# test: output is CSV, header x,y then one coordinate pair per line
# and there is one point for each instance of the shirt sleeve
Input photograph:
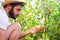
x,y
3,21
3,24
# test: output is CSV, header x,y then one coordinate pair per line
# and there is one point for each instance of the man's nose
x,y
18,13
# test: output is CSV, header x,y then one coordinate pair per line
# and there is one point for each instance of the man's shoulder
x,y
3,15
4,20
1,11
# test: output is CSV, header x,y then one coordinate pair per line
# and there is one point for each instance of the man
x,y
11,8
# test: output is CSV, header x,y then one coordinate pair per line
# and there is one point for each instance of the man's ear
x,y
9,7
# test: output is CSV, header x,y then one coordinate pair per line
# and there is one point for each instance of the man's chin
x,y
14,18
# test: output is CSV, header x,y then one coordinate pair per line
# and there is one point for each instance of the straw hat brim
x,y
9,2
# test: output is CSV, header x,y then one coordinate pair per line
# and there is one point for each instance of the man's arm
x,y
23,34
2,34
31,31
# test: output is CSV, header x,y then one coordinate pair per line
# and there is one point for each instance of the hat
x,y
13,1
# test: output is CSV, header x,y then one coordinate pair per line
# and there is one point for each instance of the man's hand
x,y
35,30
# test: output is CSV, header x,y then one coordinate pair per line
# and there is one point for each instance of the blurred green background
x,y
38,13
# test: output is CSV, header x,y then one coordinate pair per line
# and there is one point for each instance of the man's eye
x,y
18,9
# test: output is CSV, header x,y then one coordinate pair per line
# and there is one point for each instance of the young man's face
x,y
15,11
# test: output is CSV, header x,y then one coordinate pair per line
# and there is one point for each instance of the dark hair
x,y
15,4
